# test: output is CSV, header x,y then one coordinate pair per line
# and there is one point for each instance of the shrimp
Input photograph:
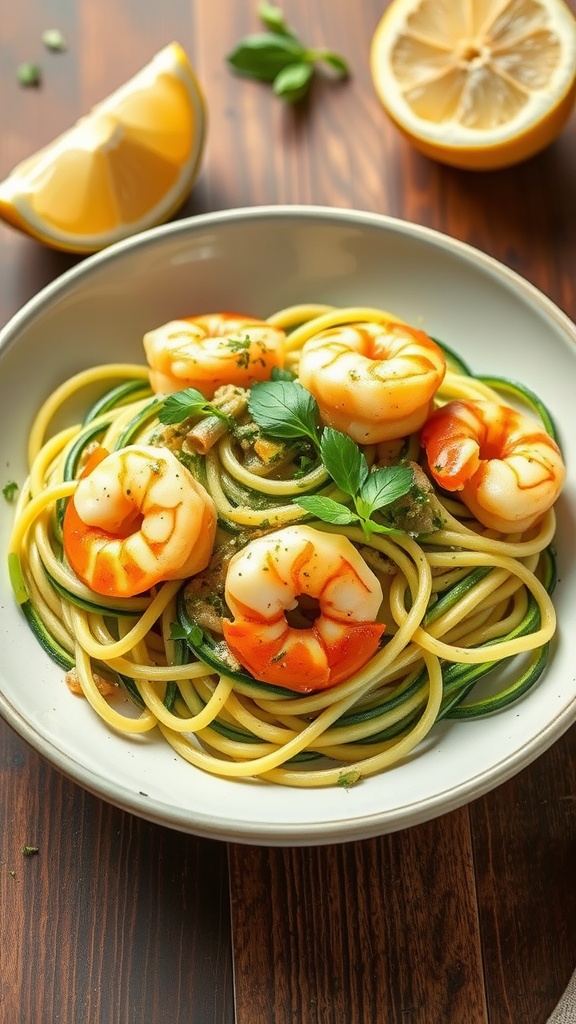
x,y
507,468
372,381
137,517
266,579
205,352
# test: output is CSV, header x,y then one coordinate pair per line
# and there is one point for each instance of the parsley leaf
x,y
284,409
385,485
183,404
370,491
344,461
327,510
242,346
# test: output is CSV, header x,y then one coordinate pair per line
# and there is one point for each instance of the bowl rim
x,y
150,236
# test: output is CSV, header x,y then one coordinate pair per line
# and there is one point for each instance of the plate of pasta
x,y
287,524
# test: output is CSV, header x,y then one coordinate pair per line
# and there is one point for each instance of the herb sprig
x,y
277,56
286,410
184,404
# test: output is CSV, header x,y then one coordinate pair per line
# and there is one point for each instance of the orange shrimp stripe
x,y
300,660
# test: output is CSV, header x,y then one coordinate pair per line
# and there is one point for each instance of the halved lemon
x,y
479,85
126,166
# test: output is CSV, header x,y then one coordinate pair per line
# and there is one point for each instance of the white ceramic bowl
x,y
259,260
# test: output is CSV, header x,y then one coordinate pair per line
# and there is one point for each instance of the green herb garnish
x,y
278,57
184,404
9,490
349,778
53,39
344,461
29,74
285,409
370,491
273,18
240,346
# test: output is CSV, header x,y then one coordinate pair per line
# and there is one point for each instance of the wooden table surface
x,y
468,919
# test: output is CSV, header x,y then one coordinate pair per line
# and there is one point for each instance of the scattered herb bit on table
x,y
29,74
53,39
277,56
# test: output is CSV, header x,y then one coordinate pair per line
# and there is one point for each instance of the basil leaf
x,y
273,18
284,409
326,509
385,485
292,83
334,60
264,55
343,460
183,404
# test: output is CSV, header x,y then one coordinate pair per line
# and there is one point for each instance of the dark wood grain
x,y
368,931
524,847
469,919
113,919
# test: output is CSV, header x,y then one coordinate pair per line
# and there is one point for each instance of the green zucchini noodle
x,y
461,602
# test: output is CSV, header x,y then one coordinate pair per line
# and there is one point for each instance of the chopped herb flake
x,y
9,490
29,75
53,39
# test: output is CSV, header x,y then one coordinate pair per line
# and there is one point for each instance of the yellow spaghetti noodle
x,y
459,599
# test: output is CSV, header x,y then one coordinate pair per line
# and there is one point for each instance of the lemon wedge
x,y
126,166
478,85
